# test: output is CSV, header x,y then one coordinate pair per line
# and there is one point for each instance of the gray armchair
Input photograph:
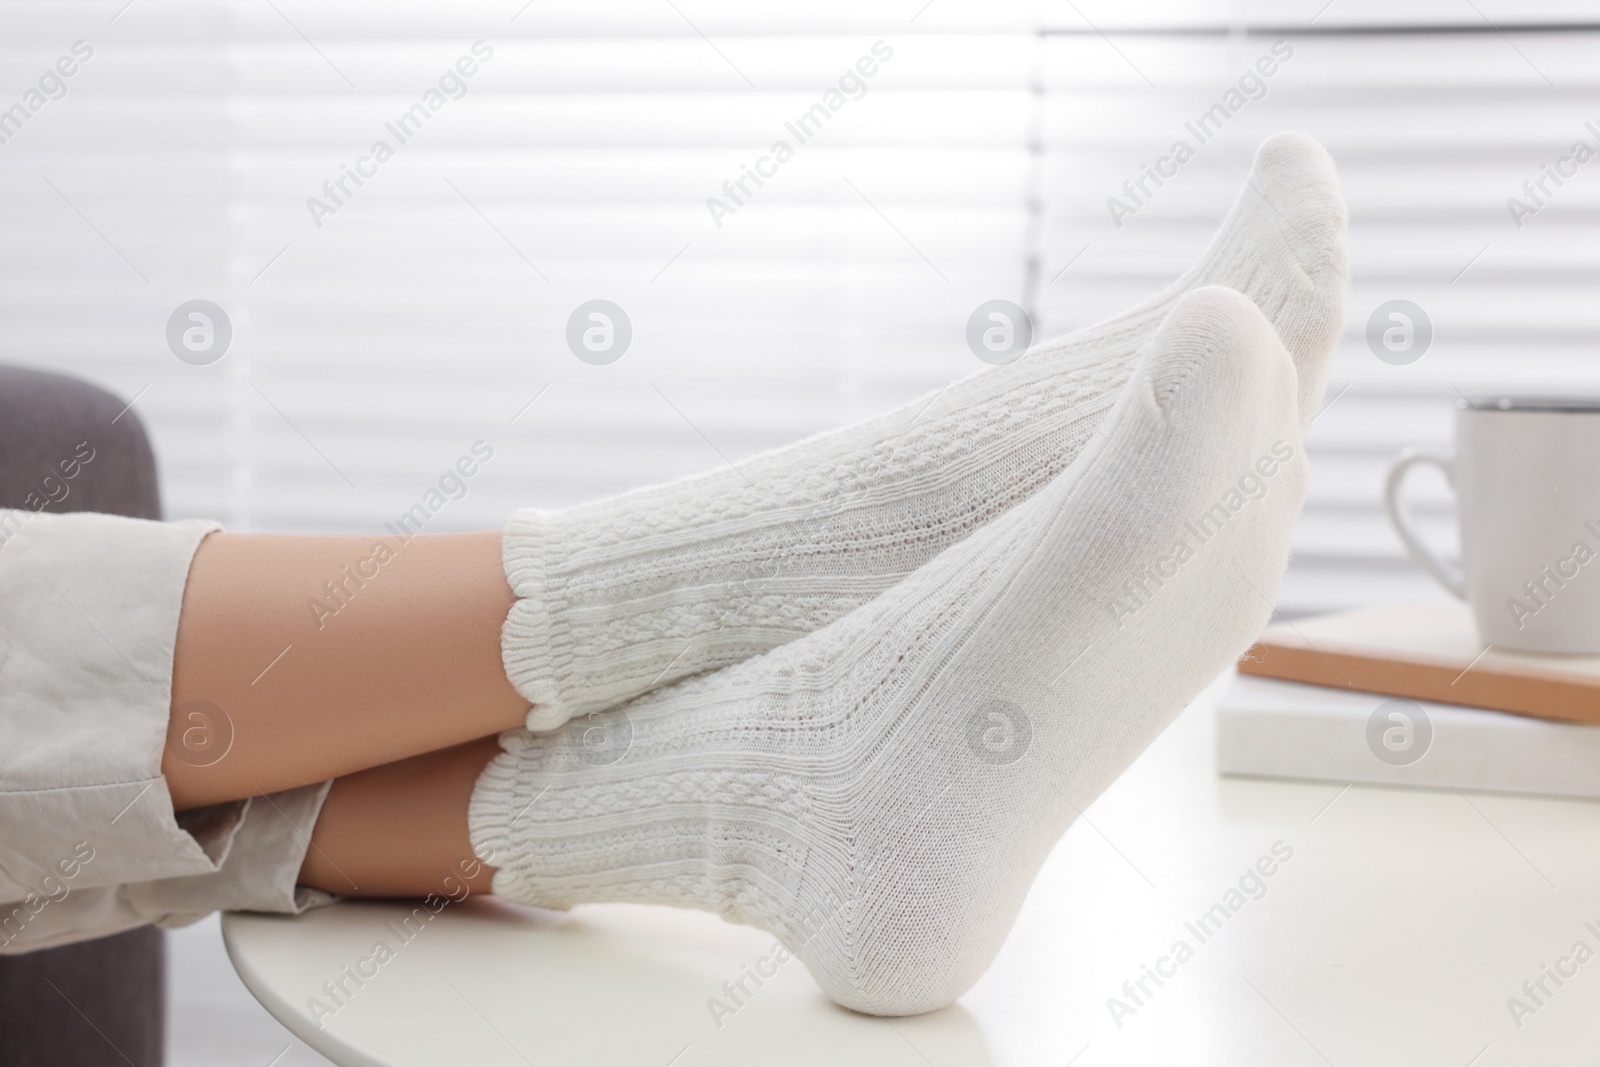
x,y
100,1003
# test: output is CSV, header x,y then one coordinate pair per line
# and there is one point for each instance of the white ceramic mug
x,y
1526,474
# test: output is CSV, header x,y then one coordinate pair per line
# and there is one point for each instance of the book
x,y
1275,729
1427,652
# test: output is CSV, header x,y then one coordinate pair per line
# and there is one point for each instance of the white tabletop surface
x,y
1395,934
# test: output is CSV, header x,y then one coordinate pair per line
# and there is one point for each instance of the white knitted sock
x,y
642,589
880,793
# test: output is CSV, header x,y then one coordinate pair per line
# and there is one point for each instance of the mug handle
x,y
1445,572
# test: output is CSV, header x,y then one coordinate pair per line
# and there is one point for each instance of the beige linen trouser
x,y
89,841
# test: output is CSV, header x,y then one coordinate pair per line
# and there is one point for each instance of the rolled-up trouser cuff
x,y
89,840
261,844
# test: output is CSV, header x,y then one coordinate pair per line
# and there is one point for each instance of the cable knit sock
x,y
880,794
654,585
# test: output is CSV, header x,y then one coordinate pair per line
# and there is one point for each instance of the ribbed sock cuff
x,y
536,651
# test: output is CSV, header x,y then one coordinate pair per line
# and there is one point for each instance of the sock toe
x,y
1221,332
1297,177
1284,246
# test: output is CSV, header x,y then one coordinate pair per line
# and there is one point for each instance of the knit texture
x,y
880,793
654,585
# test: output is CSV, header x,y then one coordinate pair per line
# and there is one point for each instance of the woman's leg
x,y
328,656
401,830
300,659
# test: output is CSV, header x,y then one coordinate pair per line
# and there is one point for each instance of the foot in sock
x,y
881,793
643,589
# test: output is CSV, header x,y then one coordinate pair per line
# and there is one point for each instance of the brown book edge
x,y
1289,659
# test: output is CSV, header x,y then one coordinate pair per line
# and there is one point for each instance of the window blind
x,y
383,328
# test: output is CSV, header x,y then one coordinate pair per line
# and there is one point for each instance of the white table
x,y
1394,935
